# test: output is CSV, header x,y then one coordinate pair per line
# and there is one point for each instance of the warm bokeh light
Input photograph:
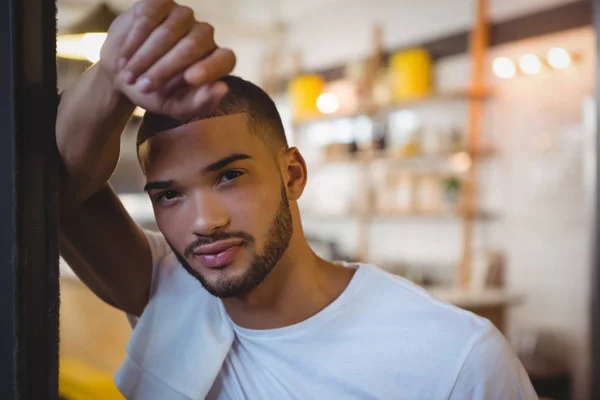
x,y
328,103
559,58
504,68
530,64
461,162
139,112
80,47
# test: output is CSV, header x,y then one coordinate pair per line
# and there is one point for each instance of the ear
x,y
294,172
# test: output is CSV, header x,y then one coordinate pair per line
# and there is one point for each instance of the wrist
x,y
105,82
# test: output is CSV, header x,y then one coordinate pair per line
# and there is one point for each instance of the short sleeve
x,y
160,249
492,371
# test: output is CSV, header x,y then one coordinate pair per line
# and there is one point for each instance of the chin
x,y
226,273
226,283
235,279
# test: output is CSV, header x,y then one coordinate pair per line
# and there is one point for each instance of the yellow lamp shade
x,y
304,91
411,73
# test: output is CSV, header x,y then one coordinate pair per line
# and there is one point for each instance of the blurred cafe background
x,y
449,141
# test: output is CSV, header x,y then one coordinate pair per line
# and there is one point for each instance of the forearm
x,y
91,118
107,250
98,239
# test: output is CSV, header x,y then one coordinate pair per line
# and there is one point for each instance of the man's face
x,y
220,201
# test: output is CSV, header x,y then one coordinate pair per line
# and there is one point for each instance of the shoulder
x,y
404,297
491,370
477,360
411,309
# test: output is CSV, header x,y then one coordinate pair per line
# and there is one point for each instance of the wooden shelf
x,y
456,95
478,215
391,158
374,109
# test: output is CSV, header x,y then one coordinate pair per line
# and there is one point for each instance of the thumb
x,y
209,102
198,101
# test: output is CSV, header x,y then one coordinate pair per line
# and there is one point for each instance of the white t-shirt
x,y
382,338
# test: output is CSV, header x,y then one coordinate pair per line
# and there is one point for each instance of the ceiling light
x,y
530,64
559,58
504,68
84,46
139,112
328,103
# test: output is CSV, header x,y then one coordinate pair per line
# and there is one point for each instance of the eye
x,y
166,196
229,176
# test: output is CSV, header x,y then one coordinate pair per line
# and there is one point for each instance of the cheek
x,y
253,207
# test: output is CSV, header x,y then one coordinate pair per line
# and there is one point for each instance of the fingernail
x,y
128,77
122,62
144,84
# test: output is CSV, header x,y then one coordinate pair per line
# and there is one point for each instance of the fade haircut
x,y
242,97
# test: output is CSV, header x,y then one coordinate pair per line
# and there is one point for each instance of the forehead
x,y
201,142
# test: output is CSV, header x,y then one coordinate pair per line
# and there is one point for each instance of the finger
x,y
197,102
162,39
148,14
216,94
170,87
196,45
221,62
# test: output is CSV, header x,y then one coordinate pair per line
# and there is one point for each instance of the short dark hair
x,y
243,97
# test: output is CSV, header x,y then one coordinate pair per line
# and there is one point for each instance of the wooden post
x,y
479,43
367,211
373,68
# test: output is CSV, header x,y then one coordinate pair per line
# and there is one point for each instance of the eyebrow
x,y
223,162
158,185
216,166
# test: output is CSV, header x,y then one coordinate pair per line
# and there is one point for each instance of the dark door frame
x,y
28,220
595,290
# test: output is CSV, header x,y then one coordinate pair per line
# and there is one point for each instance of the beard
x,y
278,239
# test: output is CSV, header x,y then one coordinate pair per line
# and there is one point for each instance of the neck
x,y
298,287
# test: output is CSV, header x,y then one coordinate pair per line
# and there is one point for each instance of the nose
x,y
210,213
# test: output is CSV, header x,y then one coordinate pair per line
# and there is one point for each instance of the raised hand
x,y
165,61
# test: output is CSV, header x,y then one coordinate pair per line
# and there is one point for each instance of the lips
x,y
218,254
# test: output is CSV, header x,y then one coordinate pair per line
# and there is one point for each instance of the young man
x,y
229,301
